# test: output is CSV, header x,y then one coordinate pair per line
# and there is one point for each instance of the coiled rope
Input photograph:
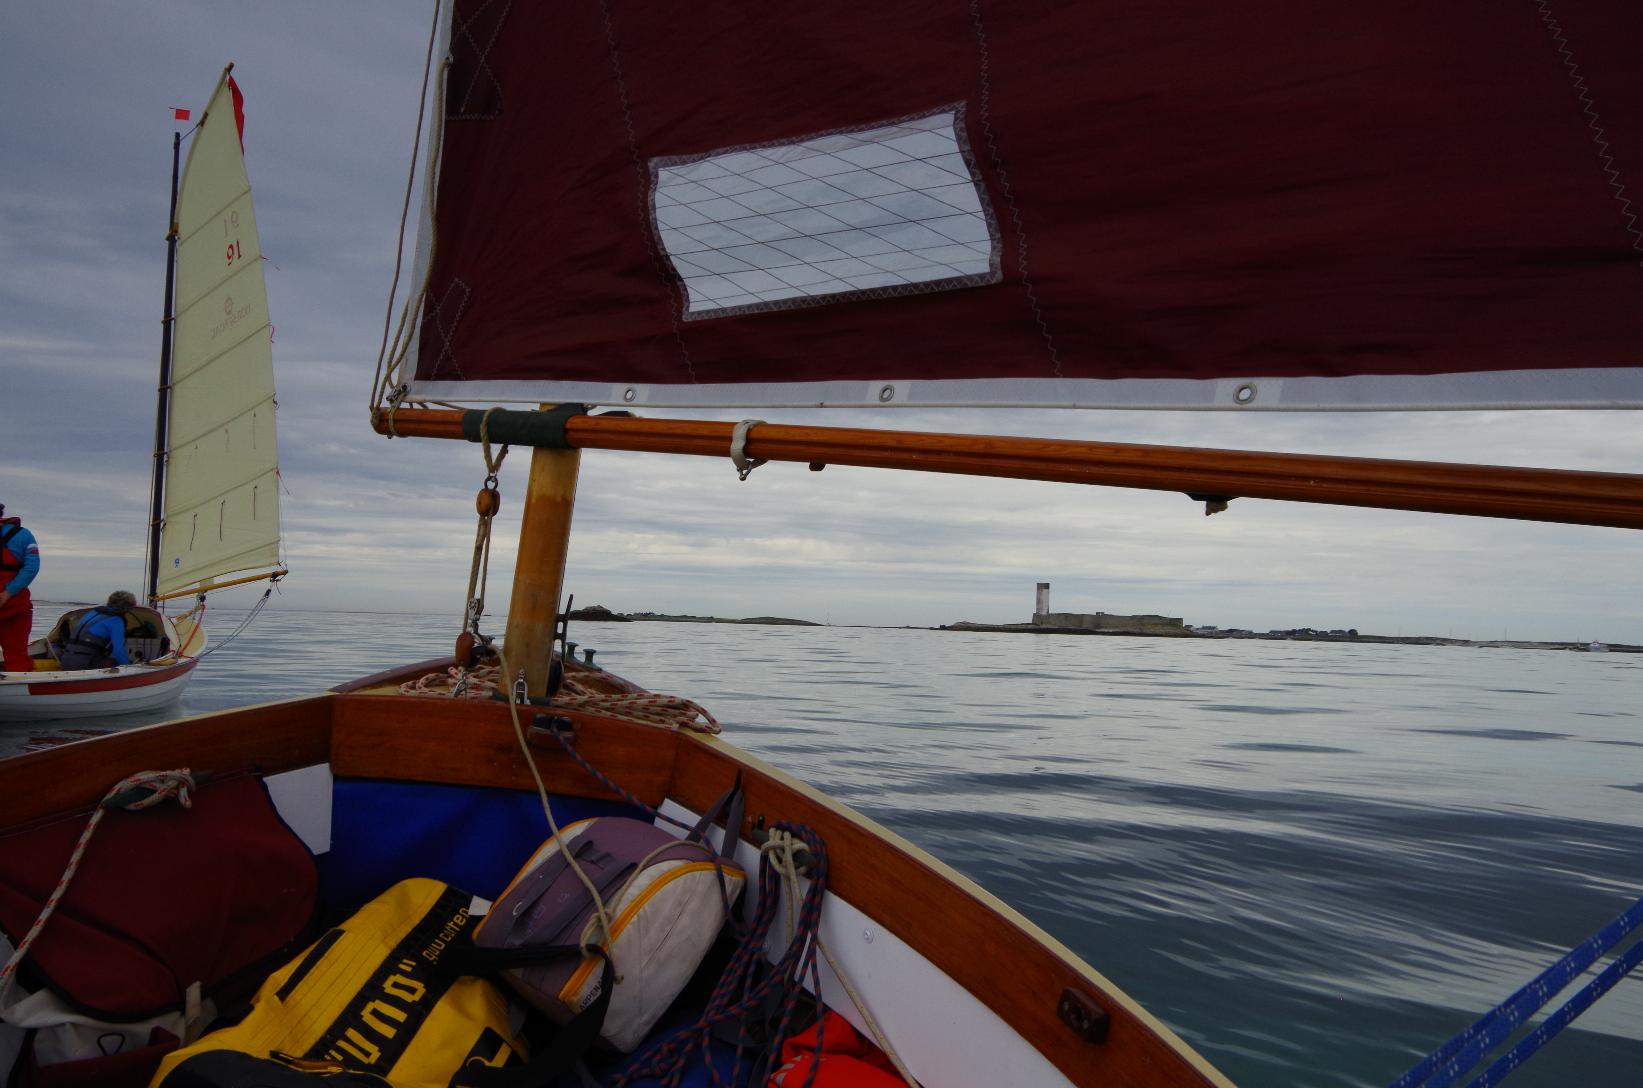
x,y
639,707
782,853
160,785
744,989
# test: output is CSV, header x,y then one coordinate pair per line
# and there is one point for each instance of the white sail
x,y
221,484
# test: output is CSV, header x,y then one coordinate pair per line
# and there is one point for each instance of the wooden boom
x,y
1526,494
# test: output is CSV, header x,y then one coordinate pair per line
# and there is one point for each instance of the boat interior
x,y
380,787
146,637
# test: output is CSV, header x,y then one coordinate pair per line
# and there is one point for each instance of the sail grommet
x,y
1245,394
629,395
887,394
738,449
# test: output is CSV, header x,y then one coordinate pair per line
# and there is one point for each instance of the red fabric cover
x,y
163,897
848,1059
1198,188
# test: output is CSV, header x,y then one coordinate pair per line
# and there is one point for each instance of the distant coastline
x,y
1298,635
600,614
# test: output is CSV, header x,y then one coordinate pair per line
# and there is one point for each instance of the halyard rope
x,y
479,573
599,910
161,784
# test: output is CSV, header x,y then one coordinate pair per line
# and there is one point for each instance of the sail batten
x,y
221,508
1120,205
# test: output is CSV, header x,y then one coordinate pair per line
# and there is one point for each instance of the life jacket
x,y
87,649
10,561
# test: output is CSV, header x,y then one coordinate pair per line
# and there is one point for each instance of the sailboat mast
x,y
167,325
539,575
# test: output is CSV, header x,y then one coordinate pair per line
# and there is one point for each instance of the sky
x,y
86,97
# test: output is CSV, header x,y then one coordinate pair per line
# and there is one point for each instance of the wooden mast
x,y
544,540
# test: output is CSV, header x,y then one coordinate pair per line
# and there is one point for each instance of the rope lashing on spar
x,y
738,449
129,794
1457,1057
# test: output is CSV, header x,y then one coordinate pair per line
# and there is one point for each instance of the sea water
x,y
1315,861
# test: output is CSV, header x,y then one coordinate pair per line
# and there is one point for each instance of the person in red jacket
x,y
19,563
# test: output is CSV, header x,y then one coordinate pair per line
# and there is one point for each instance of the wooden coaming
x,y
471,742
267,739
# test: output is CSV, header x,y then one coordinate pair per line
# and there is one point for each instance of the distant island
x,y
1297,634
598,613
1101,623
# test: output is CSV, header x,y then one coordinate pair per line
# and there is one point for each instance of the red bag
x,y
848,1059
172,911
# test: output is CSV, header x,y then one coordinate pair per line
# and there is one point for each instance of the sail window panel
x,y
735,224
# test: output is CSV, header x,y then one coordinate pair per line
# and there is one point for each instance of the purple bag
x,y
666,898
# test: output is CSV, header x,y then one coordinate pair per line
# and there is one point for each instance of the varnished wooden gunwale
x,y
267,739
985,946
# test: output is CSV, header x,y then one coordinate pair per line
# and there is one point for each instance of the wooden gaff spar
x,y
1524,494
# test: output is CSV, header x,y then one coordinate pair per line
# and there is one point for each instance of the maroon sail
x,y
1171,203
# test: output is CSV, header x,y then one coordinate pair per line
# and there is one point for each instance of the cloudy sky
x,y
87,90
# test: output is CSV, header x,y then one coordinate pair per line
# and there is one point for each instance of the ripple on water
x,y
1277,746
1497,734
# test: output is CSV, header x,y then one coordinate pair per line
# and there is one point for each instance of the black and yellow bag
x,y
387,997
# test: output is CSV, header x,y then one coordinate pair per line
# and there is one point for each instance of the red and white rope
x,y
161,784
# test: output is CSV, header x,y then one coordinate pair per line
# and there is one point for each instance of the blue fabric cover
x,y
472,837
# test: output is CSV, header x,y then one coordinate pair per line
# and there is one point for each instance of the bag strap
x,y
568,1044
731,802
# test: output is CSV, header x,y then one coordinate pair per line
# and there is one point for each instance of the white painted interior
x,y
944,1033
303,799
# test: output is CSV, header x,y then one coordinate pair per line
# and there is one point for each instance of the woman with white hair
x,y
97,639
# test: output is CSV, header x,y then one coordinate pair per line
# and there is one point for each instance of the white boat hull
x,y
126,689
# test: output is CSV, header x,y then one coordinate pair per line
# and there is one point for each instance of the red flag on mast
x,y
239,110
181,114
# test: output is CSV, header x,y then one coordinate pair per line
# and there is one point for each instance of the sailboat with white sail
x,y
215,519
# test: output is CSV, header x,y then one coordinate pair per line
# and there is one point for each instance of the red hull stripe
x,y
113,683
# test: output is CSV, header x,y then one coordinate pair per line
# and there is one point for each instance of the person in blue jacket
x,y
98,639
19,563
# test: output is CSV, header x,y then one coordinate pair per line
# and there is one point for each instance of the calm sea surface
x,y
1315,861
